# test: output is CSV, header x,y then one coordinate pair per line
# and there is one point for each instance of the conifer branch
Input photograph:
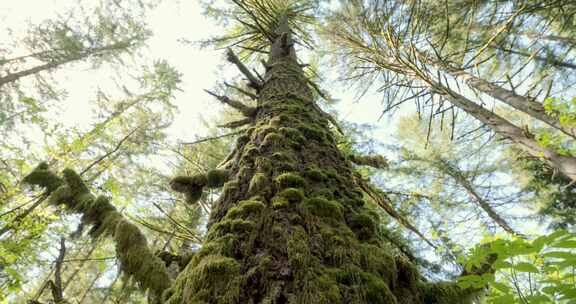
x,y
253,96
253,81
242,108
384,203
211,138
236,124
374,161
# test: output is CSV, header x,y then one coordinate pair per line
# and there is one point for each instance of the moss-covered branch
x,y
193,186
136,258
374,161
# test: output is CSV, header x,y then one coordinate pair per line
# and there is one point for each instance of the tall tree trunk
x,y
291,225
521,103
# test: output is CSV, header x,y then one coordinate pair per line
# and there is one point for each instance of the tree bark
x,y
291,225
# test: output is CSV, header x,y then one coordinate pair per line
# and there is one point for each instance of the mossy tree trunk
x,y
291,226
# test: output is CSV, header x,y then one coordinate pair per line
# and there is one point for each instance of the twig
x,y
235,124
116,148
242,108
253,96
56,286
205,139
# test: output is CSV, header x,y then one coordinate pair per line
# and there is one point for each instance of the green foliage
x,y
565,111
546,262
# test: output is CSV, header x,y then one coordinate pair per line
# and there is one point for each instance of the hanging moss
x,y
216,178
42,177
191,186
374,161
286,180
292,195
375,290
363,225
135,257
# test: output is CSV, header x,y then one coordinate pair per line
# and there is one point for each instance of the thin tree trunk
x,y
54,64
457,175
79,267
89,288
504,128
521,103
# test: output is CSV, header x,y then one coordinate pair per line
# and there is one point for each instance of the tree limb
x,y
253,81
242,108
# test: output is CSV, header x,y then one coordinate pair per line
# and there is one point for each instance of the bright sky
x,y
201,68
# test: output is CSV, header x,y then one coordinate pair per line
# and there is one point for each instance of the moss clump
x,y
224,245
322,207
280,203
374,290
325,193
245,209
61,196
353,202
216,279
312,132
272,139
216,178
259,184
41,176
315,175
287,180
262,164
293,135
379,261
292,195
363,225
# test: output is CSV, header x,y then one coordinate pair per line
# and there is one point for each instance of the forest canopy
x,y
288,151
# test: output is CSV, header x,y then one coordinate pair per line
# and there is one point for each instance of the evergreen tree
x,y
292,224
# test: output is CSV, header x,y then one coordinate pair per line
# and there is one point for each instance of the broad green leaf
x,y
526,267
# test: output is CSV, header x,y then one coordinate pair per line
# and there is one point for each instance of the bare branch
x,y
242,108
253,81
